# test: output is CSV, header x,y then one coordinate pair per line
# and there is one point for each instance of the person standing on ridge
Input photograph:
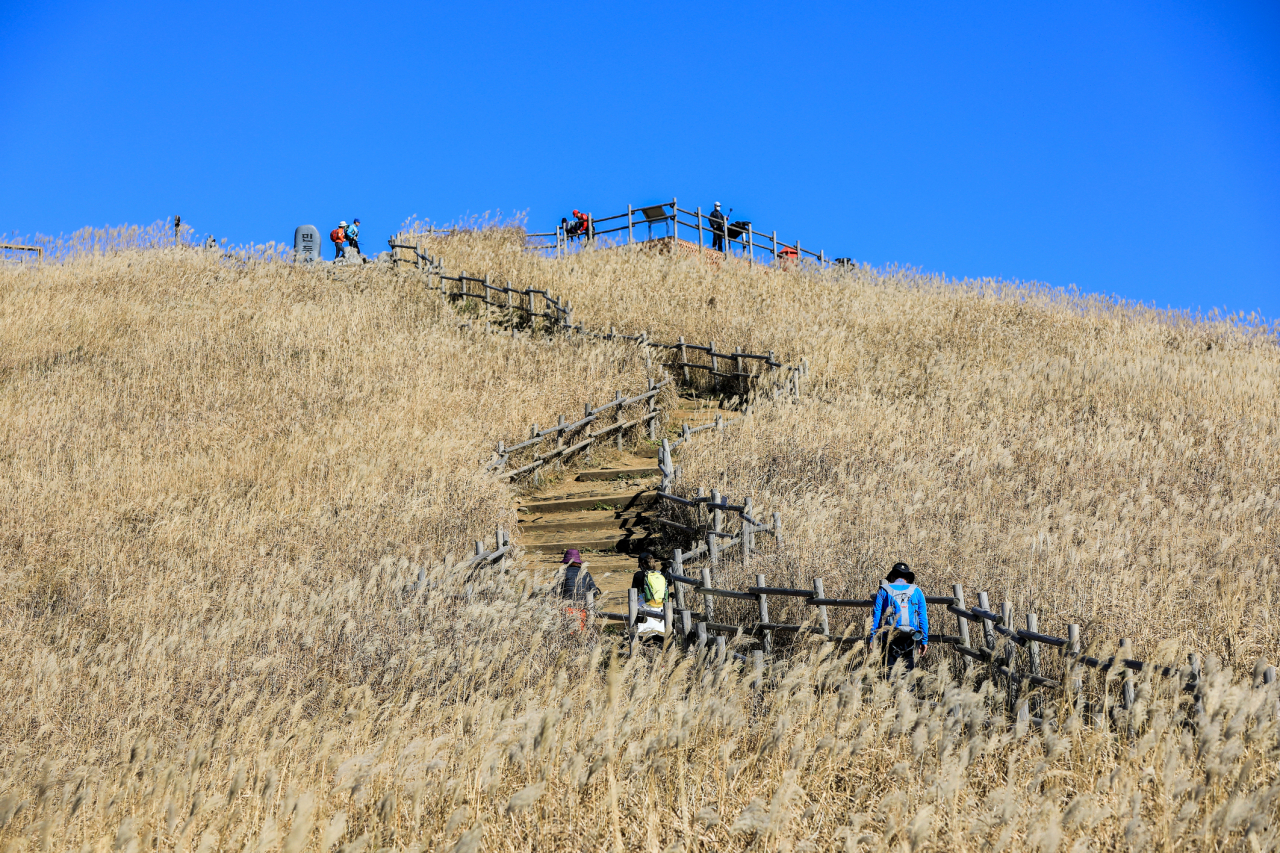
x,y
717,228
353,235
339,236
901,618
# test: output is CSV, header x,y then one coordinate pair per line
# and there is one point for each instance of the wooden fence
x,y
570,438
737,238
734,374
13,247
721,531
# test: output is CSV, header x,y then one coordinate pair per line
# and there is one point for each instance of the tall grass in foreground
x,y
489,724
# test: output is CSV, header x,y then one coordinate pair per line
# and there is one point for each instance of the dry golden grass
x,y
219,482
1102,464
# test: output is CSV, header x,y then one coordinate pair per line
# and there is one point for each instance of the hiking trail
x,y
603,511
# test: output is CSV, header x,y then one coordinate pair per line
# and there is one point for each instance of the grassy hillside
x,y
218,478
1102,464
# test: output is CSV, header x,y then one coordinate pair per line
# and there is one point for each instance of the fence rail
x,y
750,373
1012,654
13,247
730,238
713,537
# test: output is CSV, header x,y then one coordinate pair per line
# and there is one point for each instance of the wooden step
x,y
625,541
617,474
586,520
618,501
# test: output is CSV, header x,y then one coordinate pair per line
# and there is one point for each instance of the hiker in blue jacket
x,y
353,235
900,617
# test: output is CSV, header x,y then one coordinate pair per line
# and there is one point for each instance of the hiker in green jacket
x,y
652,580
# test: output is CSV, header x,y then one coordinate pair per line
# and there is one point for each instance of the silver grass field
x,y
220,478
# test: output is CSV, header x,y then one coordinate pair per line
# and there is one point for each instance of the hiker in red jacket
x,y
339,237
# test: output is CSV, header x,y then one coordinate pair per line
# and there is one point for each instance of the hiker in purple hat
x,y
577,580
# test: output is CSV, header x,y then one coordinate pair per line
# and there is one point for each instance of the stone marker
x,y
306,243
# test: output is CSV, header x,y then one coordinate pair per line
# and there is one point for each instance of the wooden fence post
x,y
699,233
633,612
757,669
715,366
668,620
717,523
675,223
777,528
708,610
684,360
1033,648
677,568
1073,649
748,529
701,642
988,634
819,592
764,616
1010,656
653,408
738,381
630,236
751,246
962,624
617,397
1126,688
721,654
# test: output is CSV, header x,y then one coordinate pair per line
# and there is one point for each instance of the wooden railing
x,y
576,437
736,375
1013,655
742,239
720,530
12,247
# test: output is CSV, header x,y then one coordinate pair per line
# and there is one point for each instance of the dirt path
x,y
599,507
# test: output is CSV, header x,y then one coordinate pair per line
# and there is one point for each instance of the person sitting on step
x,y
577,580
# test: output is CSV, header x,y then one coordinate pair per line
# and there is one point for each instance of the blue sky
x,y
1126,148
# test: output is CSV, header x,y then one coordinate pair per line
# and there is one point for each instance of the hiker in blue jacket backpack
x,y
900,617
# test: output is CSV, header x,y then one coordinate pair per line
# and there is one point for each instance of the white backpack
x,y
902,603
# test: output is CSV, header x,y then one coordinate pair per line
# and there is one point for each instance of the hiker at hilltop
x,y
339,237
353,235
577,580
717,228
579,227
900,617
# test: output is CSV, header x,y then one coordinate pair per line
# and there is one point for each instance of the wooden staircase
x,y
601,511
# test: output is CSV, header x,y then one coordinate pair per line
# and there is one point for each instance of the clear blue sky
x,y
1128,148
